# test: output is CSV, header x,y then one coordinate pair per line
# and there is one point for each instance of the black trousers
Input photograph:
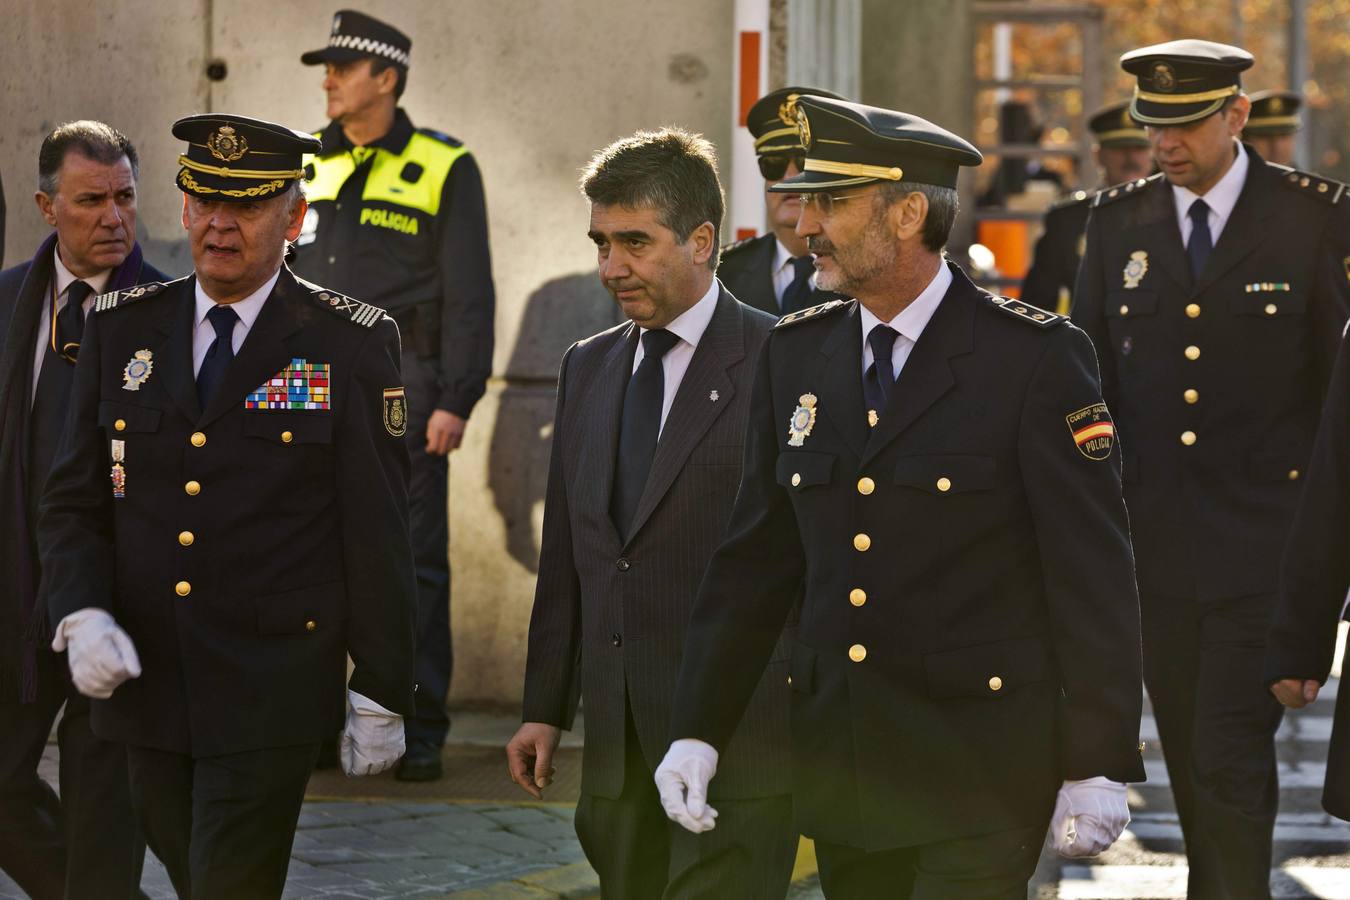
x,y
994,866
639,854
429,724
1203,666
82,845
223,825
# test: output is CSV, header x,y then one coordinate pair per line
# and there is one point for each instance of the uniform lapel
x,y
768,255
175,368
693,411
842,381
927,374
599,416
1245,229
1156,232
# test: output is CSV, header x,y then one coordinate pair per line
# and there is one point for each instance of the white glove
x,y
101,655
1089,816
373,738
682,780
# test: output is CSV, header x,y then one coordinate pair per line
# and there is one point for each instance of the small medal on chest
x,y
119,472
802,421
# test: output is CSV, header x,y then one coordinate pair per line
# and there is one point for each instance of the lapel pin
x,y
714,396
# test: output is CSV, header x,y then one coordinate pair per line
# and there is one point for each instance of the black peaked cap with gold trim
x,y
355,35
1184,81
237,158
1273,113
773,119
852,144
1113,126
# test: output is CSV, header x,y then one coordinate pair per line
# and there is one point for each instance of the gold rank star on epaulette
x,y
812,312
116,299
1328,189
1032,315
1128,189
358,312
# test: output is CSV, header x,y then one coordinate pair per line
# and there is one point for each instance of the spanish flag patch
x,y
1094,434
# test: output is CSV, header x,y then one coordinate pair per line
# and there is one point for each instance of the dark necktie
x,y
219,355
70,320
880,377
52,397
641,425
798,293
1200,244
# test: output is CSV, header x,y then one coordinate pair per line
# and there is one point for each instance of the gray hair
x,y
95,140
943,206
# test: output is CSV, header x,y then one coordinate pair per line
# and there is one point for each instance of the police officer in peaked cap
x,y
1273,125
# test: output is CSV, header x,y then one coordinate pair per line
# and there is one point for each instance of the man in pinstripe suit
x,y
645,464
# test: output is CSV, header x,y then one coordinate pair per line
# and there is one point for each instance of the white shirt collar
x,y
912,320
781,256
689,325
1223,196
65,278
247,309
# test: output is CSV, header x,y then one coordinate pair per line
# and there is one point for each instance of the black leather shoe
x,y
419,765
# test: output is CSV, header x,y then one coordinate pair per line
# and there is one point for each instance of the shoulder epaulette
x,y
738,245
811,312
441,136
1119,191
359,312
1032,315
1073,199
118,299
1319,186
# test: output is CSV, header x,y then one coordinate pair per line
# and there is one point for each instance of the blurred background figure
x,y
1273,125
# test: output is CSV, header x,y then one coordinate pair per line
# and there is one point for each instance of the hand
x,y
445,432
1089,816
529,756
373,739
682,780
100,654
1295,693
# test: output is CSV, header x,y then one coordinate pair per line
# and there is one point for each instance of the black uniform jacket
x,y
746,269
610,616
970,631
254,548
1216,383
1058,254
1315,576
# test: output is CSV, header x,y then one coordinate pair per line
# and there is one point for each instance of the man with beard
x,y
968,645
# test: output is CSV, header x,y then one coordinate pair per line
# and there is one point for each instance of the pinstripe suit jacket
x,y
610,616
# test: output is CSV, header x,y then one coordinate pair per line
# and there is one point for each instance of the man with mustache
x,y
1215,293
81,845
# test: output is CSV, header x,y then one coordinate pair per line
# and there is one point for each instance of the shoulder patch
x,y
1328,190
1121,191
1032,315
441,136
118,299
359,312
812,312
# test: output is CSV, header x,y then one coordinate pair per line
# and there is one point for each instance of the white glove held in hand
x,y
682,780
1089,816
373,738
100,654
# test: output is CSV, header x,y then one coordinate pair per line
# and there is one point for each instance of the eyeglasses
x,y
823,203
775,165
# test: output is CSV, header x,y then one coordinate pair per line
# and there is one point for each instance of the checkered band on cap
x,y
368,45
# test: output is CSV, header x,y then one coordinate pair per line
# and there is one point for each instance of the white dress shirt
x,y
688,326
910,322
783,272
1221,199
64,279
203,333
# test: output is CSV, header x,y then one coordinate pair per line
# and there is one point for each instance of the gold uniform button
x,y
1293,474
944,484
861,542
186,538
1124,309
866,485
857,653
120,425
1271,309
192,488
311,625
796,478
182,588
995,683
1193,310
198,439
1192,353
1188,437
857,596
1192,395
287,437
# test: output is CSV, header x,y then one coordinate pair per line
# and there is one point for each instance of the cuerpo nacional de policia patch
x,y
395,411
1094,434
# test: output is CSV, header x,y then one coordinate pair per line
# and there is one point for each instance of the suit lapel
x,y
599,416
842,381
264,352
693,411
1245,229
174,364
927,374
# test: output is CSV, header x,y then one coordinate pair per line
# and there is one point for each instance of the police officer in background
x,y
1273,125
397,219
774,271
1122,154
1215,294
227,521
